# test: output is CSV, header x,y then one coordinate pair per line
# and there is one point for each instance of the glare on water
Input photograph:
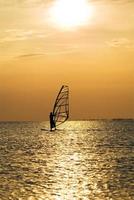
x,y
82,160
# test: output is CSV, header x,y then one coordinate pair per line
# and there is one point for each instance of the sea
x,y
81,160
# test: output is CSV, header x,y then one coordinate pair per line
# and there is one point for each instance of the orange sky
x,y
95,59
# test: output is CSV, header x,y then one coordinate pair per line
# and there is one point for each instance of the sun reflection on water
x,y
71,173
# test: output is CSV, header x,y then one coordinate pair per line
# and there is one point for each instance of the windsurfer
x,y
52,122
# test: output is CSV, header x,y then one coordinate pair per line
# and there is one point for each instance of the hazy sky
x,y
38,55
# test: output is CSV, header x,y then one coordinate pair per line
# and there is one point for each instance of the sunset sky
x,y
87,45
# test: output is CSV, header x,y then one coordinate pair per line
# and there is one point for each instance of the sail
x,y
61,106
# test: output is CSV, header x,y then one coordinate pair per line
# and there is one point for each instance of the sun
x,y
69,14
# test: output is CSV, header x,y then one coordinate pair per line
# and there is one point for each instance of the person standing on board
x,y
52,122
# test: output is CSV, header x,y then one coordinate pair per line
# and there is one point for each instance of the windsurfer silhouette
x,y
52,122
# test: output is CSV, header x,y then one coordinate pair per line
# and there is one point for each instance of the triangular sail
x,y
61,106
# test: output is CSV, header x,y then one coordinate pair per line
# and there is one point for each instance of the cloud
x,y
13,35
113,1
34,3
62,52
47,52
29,55
23,3
121,42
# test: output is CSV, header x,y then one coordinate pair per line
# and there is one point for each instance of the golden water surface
x,y
83,160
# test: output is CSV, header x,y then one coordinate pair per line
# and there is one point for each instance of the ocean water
x,y
83,160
